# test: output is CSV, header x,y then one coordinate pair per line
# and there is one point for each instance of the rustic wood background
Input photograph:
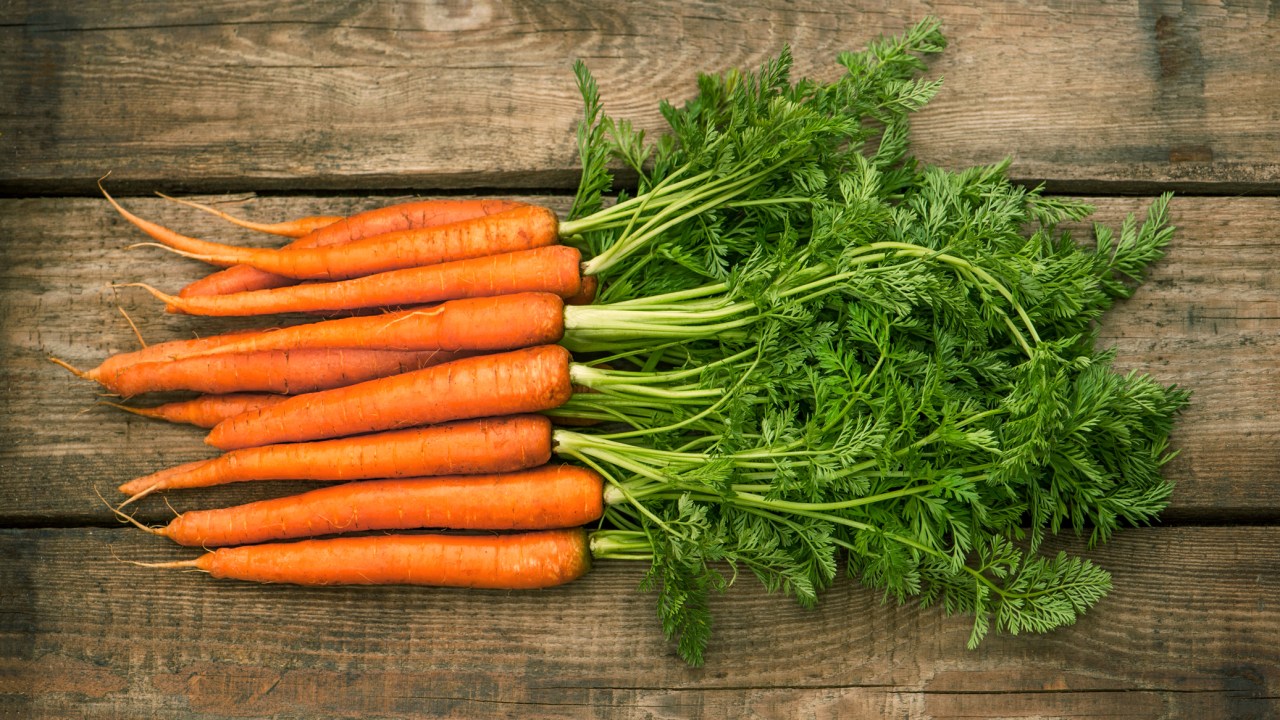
x,y
335,107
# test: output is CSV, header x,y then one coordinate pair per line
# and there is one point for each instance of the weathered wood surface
x,y
1189,632
361,97
218,96
1208,320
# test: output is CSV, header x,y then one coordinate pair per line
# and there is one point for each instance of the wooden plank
x,y
259,95
1208,320
1189,631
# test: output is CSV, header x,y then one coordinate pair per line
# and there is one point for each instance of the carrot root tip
x,y
138,495
123,516
166,565
71,368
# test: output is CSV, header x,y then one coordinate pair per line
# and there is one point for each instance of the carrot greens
x,y
919,391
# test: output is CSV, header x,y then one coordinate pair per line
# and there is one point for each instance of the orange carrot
x,y
287,372
204,411
407,216
520,381
519,228
468,447
521,561
158,352
289,228
586,291
403,216
553,269
502,322
544,498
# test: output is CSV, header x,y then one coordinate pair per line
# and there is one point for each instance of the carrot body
x,y
469,447
408,216
235,279
522,561
402,216
204,411
544,498
287,372
520,381
161,352
504,322
519,228
586,291
554,269
295,228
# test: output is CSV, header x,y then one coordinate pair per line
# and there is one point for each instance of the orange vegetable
x,y
544,498
288,372
522,561
204,411
502,322
289,228
154,353
586,291
520,228
402,216
553,269
468,447
520,381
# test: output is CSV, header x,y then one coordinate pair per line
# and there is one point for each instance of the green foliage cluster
x,y
834,357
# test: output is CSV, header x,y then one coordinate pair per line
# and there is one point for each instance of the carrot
x,y
520,381
289,228
586,291
544,498
519,228
502,322
553,269
170,350
402,216
204,411
287,372
468,447
522,561
407,216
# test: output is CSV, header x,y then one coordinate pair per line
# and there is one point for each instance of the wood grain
x,y
1208,320
83,634
226,96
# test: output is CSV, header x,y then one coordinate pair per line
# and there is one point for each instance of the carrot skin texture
x,y
235,279
162,352
296,228
544,498
402,216
586,292
524,561
519,381
553,269
406,216
502,322
468,447
285,372
520,228
207,410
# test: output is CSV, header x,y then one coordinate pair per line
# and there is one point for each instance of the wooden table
x,y
340,106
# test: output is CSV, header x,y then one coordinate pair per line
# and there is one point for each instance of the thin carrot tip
x,y
136,496
121,406
124,516
165,565
71,368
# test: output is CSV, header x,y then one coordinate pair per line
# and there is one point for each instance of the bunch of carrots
x,y
790,342
433,408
